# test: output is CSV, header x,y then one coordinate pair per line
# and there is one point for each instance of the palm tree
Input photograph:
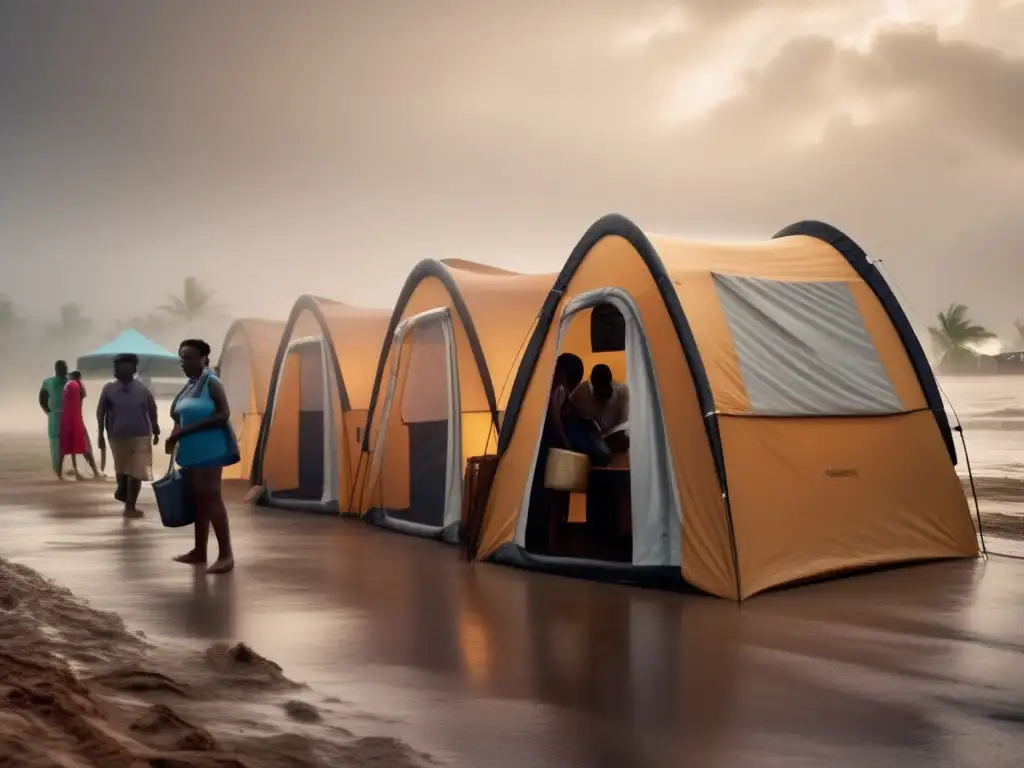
x,y
195,303
955,336
1018,326
72,323
9,320
153,325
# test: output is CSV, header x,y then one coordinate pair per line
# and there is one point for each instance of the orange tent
x,y
245,366
450,350
308,451
784,423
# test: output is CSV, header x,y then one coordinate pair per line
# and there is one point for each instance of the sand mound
x,y
164,725
241,665
77,691
302,711
138,681
37,614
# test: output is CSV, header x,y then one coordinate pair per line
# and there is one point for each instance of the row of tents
x,y
785,423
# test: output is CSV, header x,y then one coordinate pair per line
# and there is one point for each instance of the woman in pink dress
x,y
74,439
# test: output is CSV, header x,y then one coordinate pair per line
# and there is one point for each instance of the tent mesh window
x,y
803,348
607,329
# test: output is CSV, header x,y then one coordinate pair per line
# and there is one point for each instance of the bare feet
x,y
191,558
222,565
133,513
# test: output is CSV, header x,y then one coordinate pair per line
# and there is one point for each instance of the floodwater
x,y
492,667
991,410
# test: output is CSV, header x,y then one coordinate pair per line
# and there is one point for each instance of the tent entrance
x,y
312,430
307,376
415,477
641,491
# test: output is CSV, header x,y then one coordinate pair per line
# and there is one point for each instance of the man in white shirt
x,y
602,399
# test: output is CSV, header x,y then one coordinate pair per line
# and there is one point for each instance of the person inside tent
x,y
74,438
566,428
606,402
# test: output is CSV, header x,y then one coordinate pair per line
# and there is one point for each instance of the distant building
x,y
968,363
1009,362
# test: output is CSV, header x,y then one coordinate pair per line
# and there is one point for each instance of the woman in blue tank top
x,y
205,444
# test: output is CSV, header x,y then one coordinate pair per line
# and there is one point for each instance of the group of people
x,y
61,397
589,417
201,442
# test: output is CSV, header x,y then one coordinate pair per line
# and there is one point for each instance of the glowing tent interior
x,y
450,351
308,450
245,366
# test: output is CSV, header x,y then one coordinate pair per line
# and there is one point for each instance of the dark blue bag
x,y
215,450
172,498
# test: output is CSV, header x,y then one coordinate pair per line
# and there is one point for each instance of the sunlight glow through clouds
x,y
750,43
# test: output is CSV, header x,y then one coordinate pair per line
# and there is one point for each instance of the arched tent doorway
x,y
245,366
308,451
442,380
784,422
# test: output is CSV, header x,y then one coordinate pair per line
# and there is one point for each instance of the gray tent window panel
x,y
425,394
803,349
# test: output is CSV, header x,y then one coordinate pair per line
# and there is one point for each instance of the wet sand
x,y
78,688
408,652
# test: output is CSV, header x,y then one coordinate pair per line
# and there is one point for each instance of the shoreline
x,y
1002,491
1008,490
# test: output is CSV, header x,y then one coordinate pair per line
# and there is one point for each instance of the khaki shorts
x,y
133,456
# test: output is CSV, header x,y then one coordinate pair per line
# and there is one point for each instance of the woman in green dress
x,y
50,397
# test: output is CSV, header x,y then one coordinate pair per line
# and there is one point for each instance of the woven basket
x,y
567,471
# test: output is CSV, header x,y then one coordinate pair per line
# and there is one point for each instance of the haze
x,y
277,148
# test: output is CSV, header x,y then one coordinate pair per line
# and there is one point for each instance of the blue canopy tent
x,y
154,360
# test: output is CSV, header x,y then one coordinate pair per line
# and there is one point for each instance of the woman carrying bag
x,y
203,443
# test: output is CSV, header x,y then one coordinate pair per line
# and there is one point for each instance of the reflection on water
x,y
502,668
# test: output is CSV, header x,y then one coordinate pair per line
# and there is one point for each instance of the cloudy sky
x,y
277,148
